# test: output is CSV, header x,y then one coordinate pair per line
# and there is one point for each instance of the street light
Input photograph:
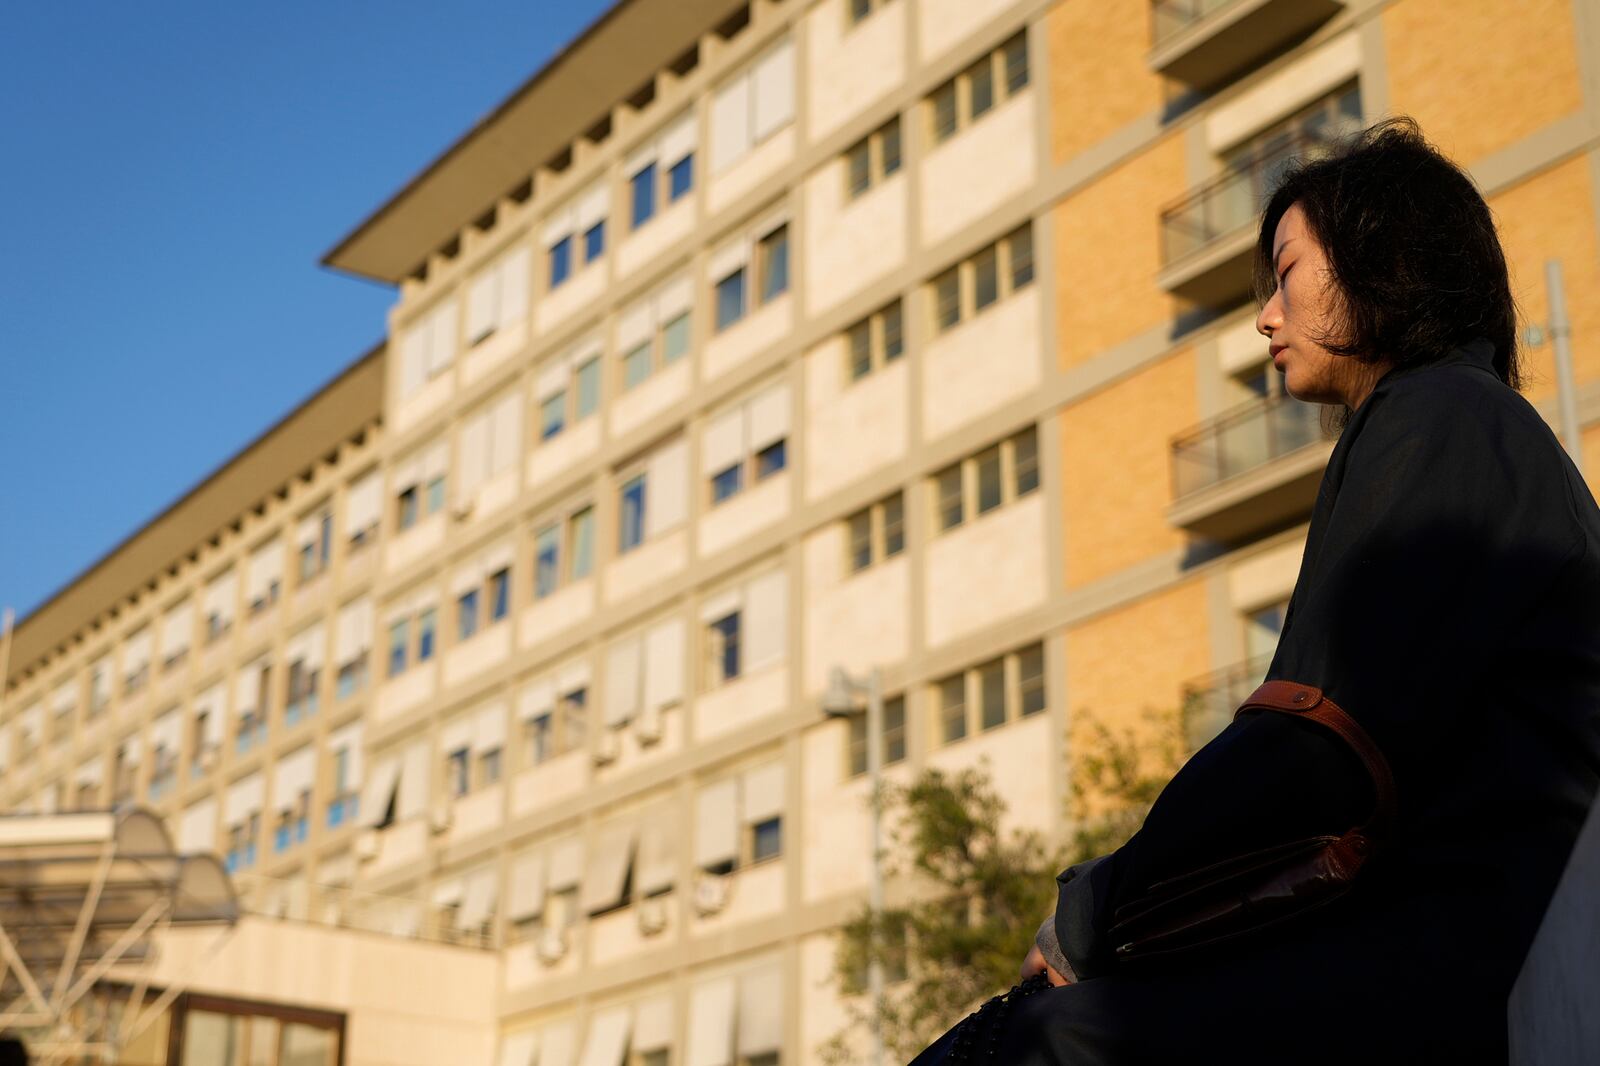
x,y
842,700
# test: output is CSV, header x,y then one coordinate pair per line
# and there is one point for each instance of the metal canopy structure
x,y
79,894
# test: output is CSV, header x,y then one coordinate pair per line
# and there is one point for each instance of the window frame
x,y
953,295
975,717
998,68
876,330
879,524
1017,480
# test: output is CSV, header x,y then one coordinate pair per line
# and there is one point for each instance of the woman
x,y
1448,600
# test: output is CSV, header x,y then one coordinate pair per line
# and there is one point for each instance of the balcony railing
x,y
1205,42
1232,201
1243,439
1169,18
1209,701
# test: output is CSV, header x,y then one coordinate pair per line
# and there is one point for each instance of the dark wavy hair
x,y
1416,262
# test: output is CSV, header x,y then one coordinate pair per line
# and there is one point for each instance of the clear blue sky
x,y
170,173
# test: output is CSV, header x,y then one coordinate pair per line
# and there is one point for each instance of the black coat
x,y
1449,601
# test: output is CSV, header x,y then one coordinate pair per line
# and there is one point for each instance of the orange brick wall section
x,y
1099,80
1551,215
1108,252
1135,658
1481,74
1115,469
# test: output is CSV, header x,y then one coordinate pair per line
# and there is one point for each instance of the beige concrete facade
x,y
900,372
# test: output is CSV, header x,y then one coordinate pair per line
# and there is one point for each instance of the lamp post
x,y
842,701
1560,332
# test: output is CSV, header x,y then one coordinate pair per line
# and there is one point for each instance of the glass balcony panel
x,y
1243,439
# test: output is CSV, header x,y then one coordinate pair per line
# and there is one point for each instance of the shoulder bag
x,y
1264,888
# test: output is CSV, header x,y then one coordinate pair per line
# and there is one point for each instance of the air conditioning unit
x,y
552,946
607,746
441,818
647,727
652,915
710,893
366,845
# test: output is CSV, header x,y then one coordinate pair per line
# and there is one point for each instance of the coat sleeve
x,y
1452,518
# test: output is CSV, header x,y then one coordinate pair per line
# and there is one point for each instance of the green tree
x,y
978,893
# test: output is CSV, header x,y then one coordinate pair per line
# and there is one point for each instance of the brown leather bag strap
x,y
1307,701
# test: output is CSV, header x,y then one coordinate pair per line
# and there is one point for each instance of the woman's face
x,y
1301,306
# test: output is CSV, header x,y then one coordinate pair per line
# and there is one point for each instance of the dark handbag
x,y
1263,888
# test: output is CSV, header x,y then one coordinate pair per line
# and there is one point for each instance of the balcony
x,y
1207,238
1209,701
1251,468
1204,42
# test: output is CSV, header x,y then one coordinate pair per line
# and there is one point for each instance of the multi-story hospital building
x,y
745,341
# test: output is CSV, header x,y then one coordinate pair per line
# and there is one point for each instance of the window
x,y
766,839
429,347
467,614
580,544
578,229
662,171
727,483
894,737
872,159
877,532
983,279
546,561
722,642
316,545
421,483
642,187
363,508
488,767
557,730
351,647
995,476
974,92
991,694
747,444
566,400
1262,628
735,287
588,392
730,299
772,258
552,415
136,661
653,333
305,674
490,444
498,296
427,624
631,532
875,341
398,641
457,765
857,10
499,594
953,707
1260,160
680,178
560,261
752,106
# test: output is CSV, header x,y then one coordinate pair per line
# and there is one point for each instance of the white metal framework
x,y
83,893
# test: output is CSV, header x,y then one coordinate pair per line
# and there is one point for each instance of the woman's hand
x,y
1035,962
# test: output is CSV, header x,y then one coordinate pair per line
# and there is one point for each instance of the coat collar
x,y
1478,352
